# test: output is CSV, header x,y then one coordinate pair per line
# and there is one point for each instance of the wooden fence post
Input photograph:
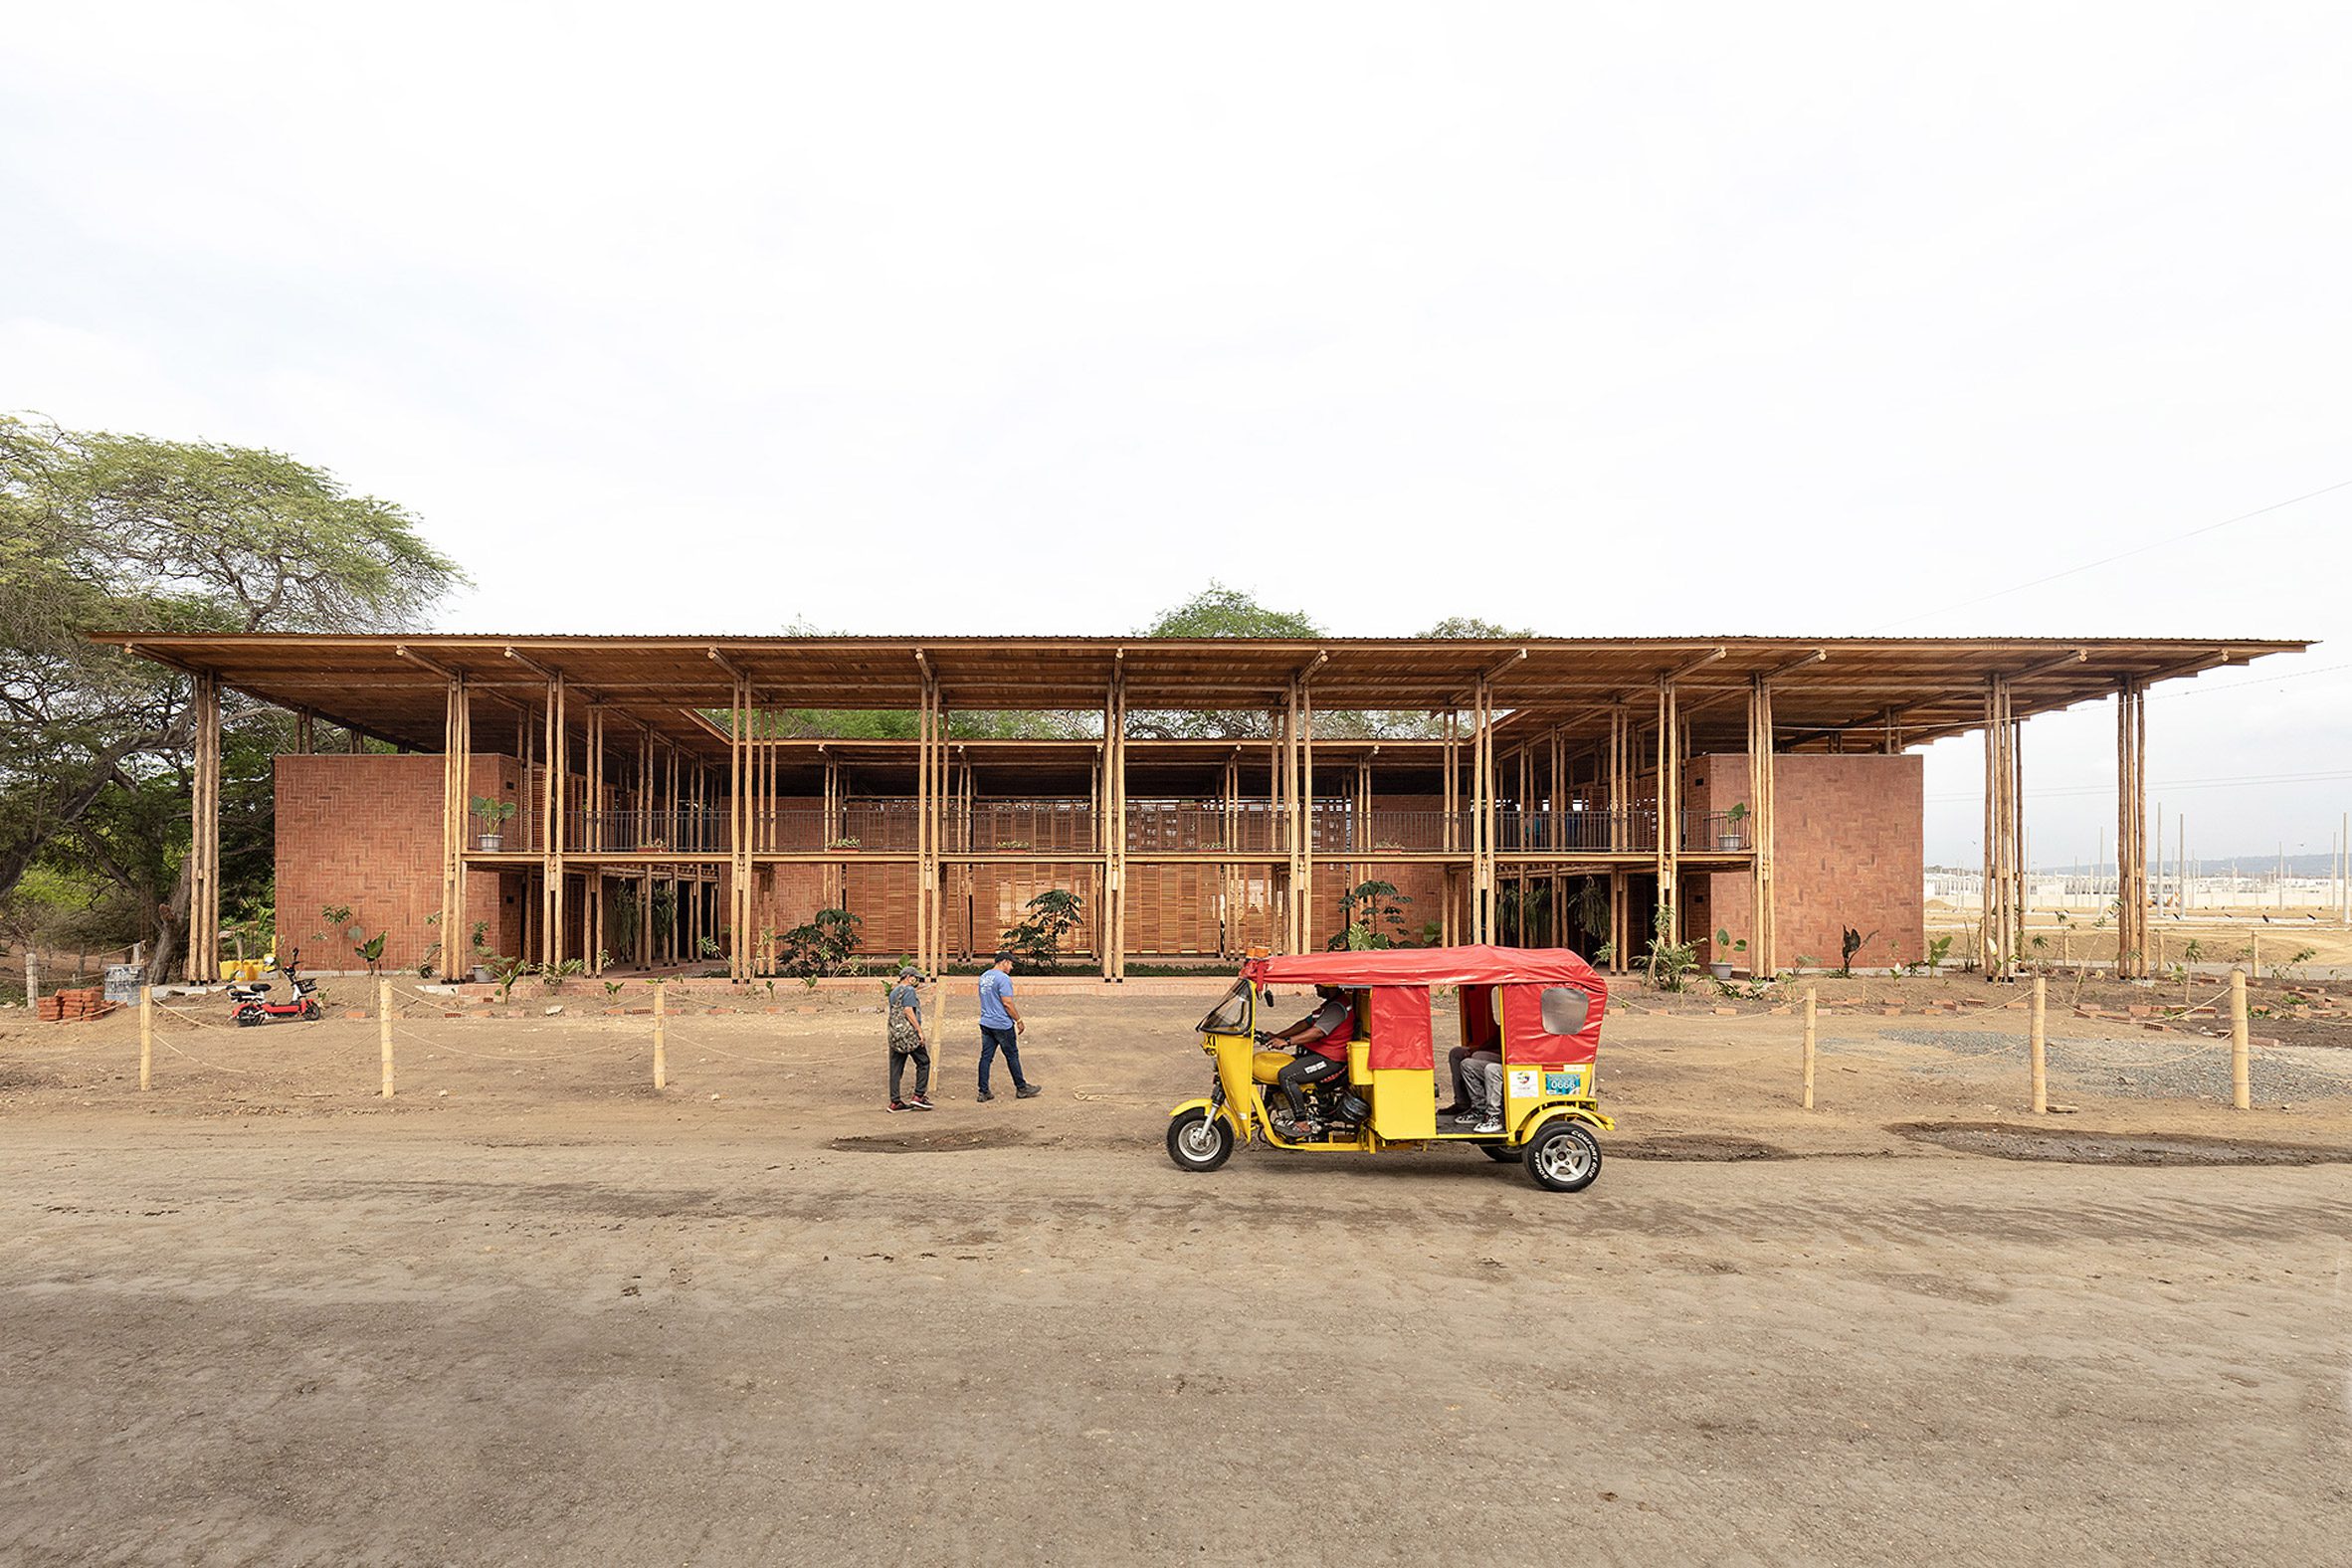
x,y
2241,1089
2254,955
1808,1045
384,1030
146,1038
661,1057
2038,1045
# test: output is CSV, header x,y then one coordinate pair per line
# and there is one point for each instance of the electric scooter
x,y
255,1007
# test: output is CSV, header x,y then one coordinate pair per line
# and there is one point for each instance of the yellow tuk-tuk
x,y
1540,1009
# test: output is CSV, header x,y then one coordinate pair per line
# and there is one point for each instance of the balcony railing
x,y
1047,827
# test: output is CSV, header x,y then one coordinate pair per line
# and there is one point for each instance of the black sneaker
x,y
896,1104
984,1096
920,1102
1028,1092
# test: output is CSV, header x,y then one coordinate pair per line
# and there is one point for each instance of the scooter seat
x,y
1267,1066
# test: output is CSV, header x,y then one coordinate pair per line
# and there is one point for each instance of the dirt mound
x,y
947,1140
2072,1146
1697,1148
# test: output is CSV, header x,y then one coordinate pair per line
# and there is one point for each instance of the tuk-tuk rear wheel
x,y
1564,1157
1499,1153
1199,1140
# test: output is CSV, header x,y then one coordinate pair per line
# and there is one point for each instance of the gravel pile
x,y
2172,1067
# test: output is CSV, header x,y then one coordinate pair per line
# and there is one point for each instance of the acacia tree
x,y
110,532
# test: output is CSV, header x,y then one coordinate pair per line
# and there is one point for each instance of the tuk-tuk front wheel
x,y
1564,1157
1199,1140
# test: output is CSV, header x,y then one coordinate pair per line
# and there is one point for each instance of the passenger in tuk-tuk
x,y
1322,1040
1477,1068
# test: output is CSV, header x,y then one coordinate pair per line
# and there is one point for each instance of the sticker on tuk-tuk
x,y
1570,1082
1524,1082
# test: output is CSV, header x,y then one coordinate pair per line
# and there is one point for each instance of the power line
x,y
2240,781
2001,593
2231,685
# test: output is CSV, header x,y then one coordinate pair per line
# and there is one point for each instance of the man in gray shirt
x,y
907,1040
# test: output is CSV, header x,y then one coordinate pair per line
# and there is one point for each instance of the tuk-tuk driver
x,y
1320,1039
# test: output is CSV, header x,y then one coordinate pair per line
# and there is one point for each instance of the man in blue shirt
x,y
1001,1027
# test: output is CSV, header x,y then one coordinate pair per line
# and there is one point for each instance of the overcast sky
x,y
1013,319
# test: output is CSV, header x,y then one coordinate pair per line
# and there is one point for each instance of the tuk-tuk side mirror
x,y
1566,1010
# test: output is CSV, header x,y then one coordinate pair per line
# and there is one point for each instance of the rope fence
x,y
2241,1047
399,1008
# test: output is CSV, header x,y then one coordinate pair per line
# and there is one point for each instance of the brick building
x,y
636,802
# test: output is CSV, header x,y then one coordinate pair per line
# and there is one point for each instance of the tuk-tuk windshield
x,y
1230,1016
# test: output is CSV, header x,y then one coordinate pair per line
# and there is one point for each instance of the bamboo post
x,y
384,1031
2254,955
1808,1045
2037,1043
2241,1086
661,1054
146,1038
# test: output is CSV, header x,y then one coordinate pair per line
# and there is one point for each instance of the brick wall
x,y
1846,851
365,831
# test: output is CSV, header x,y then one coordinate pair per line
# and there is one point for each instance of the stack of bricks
x,y
72,1007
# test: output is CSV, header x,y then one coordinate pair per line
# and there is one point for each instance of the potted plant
x,y
483,956
1734,836
1721,965
844,843
492,810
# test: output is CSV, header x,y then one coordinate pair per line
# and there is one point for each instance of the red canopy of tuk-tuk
x,y
1429,967
1399,981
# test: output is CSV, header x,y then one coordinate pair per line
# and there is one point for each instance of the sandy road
x,y
530,1313
329,1344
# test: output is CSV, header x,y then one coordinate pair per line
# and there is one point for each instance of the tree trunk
x,y
171,925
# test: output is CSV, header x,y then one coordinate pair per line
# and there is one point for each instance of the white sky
x,y
1016,318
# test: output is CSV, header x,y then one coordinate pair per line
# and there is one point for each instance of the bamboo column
x,y
1229,941
1670,808
553,792
2132,826
1104,938
592,838
1118,785
2002,921
204,847
1481,779
1448,836
739,832
1306,818
1763,780
457,746
923,821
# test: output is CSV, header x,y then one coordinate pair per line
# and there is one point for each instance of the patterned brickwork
x,y
365,832
1848,853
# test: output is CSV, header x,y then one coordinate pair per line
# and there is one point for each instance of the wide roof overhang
x,y
1823,688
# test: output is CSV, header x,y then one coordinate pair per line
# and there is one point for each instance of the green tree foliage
x,y
1050,919
110,532
1218,611
826,945
1372,915
1471,626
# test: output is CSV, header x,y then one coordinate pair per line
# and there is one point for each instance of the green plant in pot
x,y
1724,958
494,812
1735,830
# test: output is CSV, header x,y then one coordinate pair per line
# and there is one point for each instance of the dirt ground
x,y
531,1311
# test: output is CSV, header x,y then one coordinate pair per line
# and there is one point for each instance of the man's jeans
x,y
993,1040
